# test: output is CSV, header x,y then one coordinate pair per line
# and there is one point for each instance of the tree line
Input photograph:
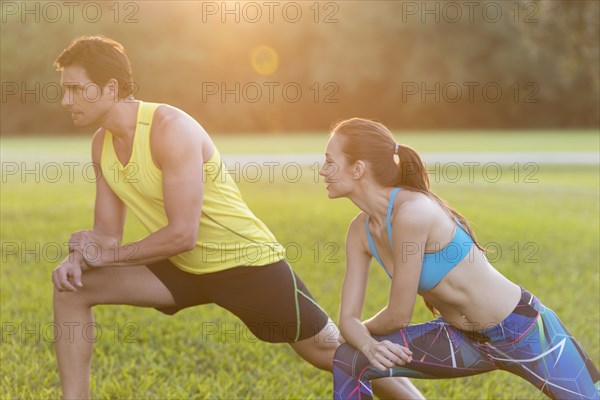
x,y
288,66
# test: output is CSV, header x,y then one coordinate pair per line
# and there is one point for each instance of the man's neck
x,y
121,120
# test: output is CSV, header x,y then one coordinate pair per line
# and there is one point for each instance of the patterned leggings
x,y
531,343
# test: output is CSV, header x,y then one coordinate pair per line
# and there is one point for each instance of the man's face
x,y
87,102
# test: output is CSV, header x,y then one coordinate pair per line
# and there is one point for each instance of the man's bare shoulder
x,y
173,131
166,114
173,123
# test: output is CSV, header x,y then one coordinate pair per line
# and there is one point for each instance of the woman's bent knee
x,y
344,352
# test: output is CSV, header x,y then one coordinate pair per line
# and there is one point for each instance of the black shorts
x,y
271,300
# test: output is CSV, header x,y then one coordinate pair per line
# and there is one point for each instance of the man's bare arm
x,y
109,220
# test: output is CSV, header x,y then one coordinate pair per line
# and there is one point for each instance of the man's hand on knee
x,y
67,276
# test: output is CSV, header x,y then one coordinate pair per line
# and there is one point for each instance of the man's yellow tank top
x,y
229,234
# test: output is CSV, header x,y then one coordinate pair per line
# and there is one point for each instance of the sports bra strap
x,y
435,265
388,218
388,222
374,249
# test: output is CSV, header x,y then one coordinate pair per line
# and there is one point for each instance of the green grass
x,y
545,234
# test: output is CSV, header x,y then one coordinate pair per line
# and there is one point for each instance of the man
x,y
204,244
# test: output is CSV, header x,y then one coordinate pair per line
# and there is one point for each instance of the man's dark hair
x,y
102,58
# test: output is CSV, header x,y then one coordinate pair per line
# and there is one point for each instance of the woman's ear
x,y
359,169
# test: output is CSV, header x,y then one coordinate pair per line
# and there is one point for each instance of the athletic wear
x,y
271,300
531,343
230,235
435,265
237,263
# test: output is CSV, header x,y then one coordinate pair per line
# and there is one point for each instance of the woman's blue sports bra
x,y
435,265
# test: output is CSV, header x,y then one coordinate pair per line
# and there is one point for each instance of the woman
x,y
428,248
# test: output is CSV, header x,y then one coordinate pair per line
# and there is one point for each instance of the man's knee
x,y
61,297
70,298
327,351
318,350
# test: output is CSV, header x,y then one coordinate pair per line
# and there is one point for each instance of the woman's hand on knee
x,y
385,354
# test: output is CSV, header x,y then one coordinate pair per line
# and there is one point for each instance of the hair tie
x,y
397,148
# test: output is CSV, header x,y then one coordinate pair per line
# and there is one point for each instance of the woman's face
x,y
337,173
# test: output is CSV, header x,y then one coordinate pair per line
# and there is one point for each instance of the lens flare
x,y
264,60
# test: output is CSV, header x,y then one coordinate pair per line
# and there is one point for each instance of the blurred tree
x,y
362,58
566,35
566,32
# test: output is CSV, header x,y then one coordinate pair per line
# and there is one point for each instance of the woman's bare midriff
x,y
474,296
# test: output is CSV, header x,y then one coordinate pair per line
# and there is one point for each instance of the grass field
x,y
544,235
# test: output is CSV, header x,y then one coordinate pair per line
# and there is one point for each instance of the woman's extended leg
x,y
545,353
531,343
439,351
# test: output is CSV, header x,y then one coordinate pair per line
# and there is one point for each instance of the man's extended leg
x,y
135,286
320,349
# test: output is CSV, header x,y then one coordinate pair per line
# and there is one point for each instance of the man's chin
x,y
80,123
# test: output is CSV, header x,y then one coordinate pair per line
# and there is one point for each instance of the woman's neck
x,y
373,201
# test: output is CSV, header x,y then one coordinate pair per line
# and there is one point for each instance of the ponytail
x,y
412,174
411,169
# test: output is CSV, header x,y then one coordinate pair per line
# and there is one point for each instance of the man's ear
x,y
112,88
